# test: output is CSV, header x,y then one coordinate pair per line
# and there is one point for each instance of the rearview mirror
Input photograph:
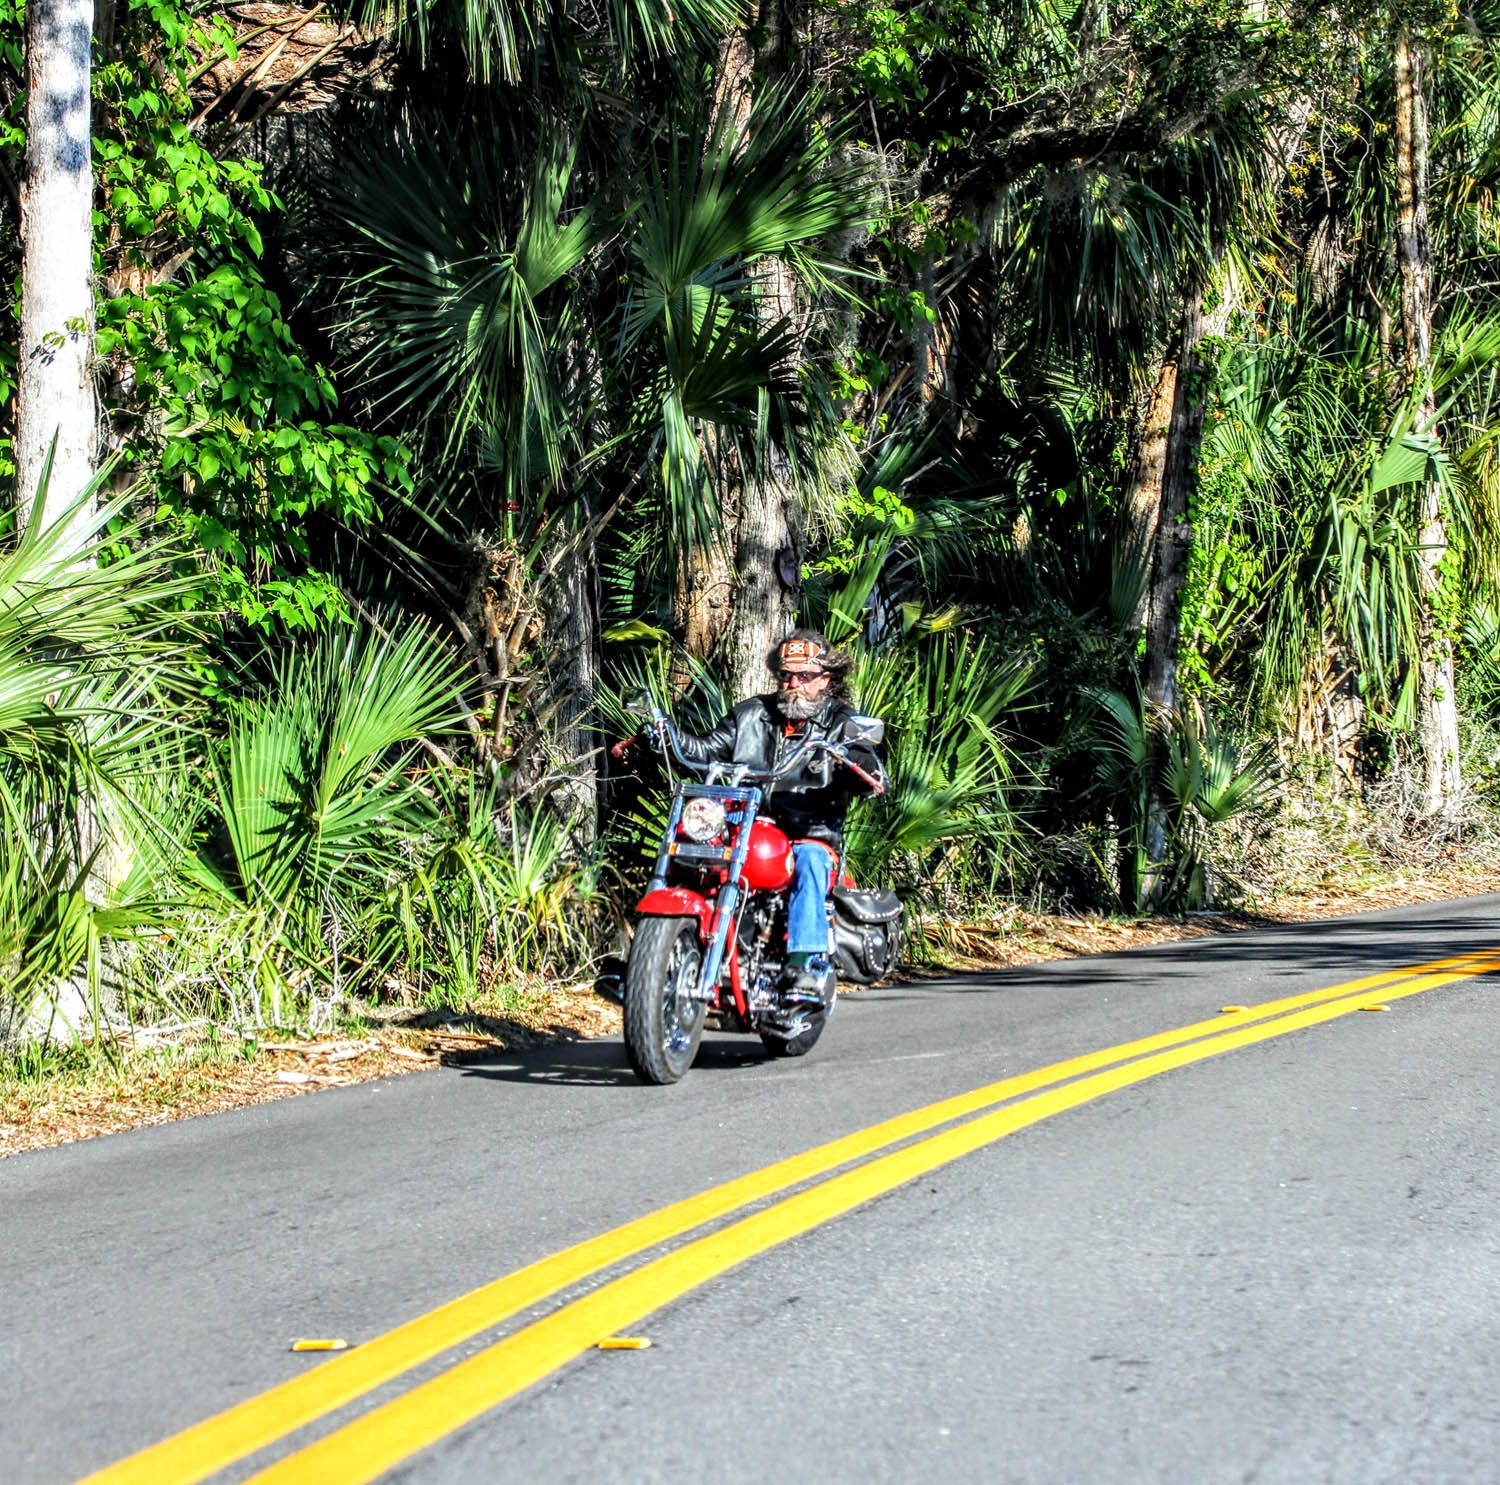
x,y
641,703
861,729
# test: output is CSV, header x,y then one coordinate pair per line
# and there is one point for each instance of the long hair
x,y
835,662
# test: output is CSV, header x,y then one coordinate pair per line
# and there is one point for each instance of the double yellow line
x,y
366,1448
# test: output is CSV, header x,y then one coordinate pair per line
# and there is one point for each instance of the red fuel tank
x,y
768,867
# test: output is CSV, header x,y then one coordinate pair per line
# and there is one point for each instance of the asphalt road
x,y
1276,1264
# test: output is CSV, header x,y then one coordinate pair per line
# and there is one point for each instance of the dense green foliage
x,y
439,392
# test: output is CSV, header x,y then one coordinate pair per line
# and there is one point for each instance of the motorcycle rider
x,y
811,701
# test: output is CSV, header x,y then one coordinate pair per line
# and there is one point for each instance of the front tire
x,y
663,1019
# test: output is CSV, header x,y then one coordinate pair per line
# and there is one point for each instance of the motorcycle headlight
x,y
702,819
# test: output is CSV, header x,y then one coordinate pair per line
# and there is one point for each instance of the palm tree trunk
x,y
768,547
1174,540
768,534
704,574
573,621
55,397
703,595
929,368
1437,704
1174,527
768,586
1143,494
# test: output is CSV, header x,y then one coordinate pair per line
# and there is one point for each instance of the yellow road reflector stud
x,y
1231,1010
306,1345
624,1343
1374,1007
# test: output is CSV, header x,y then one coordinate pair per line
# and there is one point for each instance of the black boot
x,y
808,980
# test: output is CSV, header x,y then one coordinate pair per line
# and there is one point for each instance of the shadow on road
x,y
1307,955
602,1064
1343,948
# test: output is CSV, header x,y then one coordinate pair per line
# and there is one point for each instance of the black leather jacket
x,y
811,802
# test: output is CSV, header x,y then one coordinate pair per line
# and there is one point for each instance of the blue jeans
x,y
807,912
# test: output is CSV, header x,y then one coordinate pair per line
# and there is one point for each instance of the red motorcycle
x,y
710,936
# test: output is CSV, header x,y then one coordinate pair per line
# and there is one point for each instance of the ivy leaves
x,y
210,397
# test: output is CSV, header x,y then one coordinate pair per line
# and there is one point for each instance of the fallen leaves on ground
x,y
177,1083
1018,937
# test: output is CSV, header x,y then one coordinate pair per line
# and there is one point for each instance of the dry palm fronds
x,y
287,59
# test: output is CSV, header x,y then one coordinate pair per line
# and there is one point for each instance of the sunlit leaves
x,y
952,809
459,287
311,774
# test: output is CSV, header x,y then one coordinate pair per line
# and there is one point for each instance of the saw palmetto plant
x,y
1165,780
94,693
955,810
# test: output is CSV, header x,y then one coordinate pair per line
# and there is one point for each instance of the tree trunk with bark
x,y
702,605
705,574
1437,702
1174,540
929,369
1174,527
55,396
768,532
768,549
572,621
1143,493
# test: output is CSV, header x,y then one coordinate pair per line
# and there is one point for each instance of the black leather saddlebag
x,y
870,928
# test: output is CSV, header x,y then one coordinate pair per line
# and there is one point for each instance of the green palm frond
x,y
715,374
312,773
496,36
956,779
771,185
456,287
91,674
95,692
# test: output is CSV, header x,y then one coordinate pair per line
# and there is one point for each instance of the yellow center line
x,y
365,1449
201,1450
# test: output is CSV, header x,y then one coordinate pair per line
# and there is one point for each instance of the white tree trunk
x,y
768,545
1437,702
55,398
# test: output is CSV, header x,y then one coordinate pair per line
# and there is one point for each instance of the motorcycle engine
x,y
760,963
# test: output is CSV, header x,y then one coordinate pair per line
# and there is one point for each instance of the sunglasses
x,y
804,677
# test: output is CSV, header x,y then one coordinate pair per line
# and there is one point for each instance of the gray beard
x,y
796,708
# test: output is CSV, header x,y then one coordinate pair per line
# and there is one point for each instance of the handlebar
x,y
663,726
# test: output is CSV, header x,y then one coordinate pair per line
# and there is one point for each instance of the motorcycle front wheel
x,y
663,1019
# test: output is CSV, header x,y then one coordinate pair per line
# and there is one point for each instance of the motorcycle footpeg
x,y
797,996
813,990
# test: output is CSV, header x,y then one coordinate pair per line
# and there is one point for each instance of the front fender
x,y
677,902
